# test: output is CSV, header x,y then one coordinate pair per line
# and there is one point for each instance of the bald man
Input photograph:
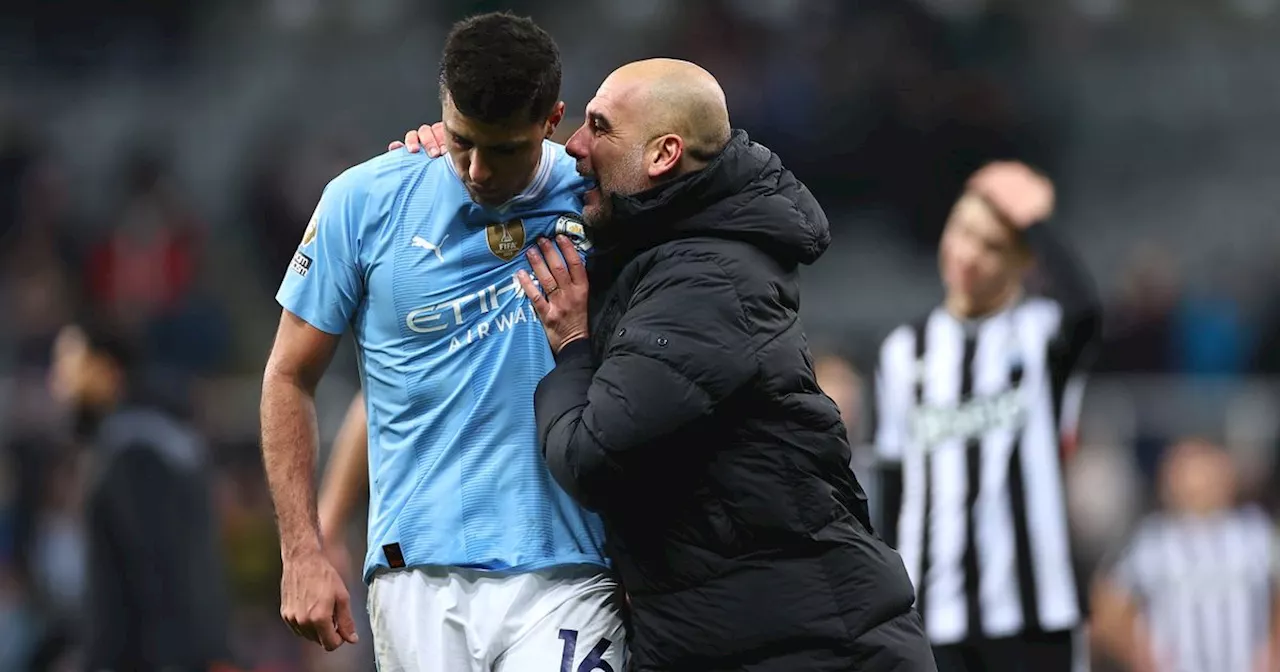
x,y
683,406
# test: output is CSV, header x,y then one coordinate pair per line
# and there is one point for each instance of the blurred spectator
x,y
840,380
281,195
1196,587
156,597
144,274
1212,337
1139,332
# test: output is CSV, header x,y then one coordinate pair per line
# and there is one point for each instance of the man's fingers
x,y
342,619
577,272
555,260
431,142
320,622
411,142
437,136
540,305
395,145
540,270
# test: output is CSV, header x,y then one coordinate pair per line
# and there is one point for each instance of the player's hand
x,y
315,603
428,136
1022,195
560,297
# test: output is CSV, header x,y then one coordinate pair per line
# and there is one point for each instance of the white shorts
x,y
431,619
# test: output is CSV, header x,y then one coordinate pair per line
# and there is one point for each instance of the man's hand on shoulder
x,y
428,136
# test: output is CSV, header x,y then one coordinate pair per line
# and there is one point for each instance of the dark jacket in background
x,y
693,423
157,594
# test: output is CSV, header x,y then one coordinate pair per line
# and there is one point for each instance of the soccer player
x,y
973,403
1197,588
477,560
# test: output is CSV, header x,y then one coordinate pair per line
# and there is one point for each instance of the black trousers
x,y
1047,652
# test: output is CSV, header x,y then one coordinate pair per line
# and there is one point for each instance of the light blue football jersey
x,y
450,352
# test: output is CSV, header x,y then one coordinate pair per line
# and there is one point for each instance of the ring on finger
x,y
553,290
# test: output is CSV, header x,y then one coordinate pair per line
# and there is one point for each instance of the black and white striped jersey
x,y
970,417
1207,586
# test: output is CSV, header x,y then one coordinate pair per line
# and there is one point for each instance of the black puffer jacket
x,y
693,423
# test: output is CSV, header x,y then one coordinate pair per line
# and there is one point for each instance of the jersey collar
x,y
531,193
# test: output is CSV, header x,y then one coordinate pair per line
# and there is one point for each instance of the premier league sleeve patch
x,y
572,226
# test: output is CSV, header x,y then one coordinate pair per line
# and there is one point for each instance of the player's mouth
x,y
593,185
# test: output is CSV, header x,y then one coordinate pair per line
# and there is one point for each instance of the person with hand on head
x,y
683,406
975,406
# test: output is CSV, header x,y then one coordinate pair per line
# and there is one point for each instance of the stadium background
x,y
160,160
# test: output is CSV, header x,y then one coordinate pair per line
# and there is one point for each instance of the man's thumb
x,y
346,624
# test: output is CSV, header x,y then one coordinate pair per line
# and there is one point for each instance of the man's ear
x,y
666,154
557,115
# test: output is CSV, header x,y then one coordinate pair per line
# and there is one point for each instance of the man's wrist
x,y
303,546
575,346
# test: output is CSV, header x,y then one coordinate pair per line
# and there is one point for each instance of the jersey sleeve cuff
x,y
573,351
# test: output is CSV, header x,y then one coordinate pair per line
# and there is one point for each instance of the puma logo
x,y
419,241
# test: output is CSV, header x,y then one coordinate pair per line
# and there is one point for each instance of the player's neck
x,y
969,307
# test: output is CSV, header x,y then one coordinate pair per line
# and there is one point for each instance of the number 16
x,y
594,660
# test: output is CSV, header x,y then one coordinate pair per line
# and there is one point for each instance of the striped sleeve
x,y
1132,565
895,373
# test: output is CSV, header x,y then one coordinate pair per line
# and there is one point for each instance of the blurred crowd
x,y
881,106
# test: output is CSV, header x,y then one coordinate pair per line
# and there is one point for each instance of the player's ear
x,y
667,152
557,115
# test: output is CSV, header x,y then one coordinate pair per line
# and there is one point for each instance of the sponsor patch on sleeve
x,y
301,263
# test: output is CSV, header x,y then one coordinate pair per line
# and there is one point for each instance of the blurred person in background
x,y
1195,589
972,405
840,379
463,511
156,596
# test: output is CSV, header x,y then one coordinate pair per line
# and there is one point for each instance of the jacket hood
x,y
745,193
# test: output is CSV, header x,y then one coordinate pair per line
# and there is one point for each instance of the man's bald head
x,y
649,122
679,98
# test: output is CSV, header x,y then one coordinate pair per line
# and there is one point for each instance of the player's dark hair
x,y
498,67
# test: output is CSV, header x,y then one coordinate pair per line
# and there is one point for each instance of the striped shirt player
x,y
450,353
972,402
1205,586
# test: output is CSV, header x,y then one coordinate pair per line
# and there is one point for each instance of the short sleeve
x,y
893,378
323,284
1130,566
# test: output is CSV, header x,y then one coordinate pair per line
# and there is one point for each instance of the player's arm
x,y
1026,199
890,437
665,368
319,295
1269,657
346,481
289,430
1117,625
1118,628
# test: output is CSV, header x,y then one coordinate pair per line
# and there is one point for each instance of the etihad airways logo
x,y
932,425
480,314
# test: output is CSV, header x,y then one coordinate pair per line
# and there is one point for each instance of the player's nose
x,y
576,146
479,172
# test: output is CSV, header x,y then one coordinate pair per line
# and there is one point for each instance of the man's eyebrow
x,y
457,136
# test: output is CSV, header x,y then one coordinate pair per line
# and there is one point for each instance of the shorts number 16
x,y
594,660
